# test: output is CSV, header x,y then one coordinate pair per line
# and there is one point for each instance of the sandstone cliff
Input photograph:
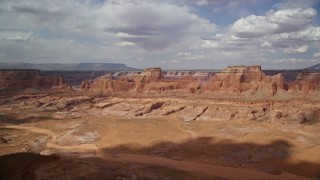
x,y
23,79
306,82
126,83
240,79
235,80
153,74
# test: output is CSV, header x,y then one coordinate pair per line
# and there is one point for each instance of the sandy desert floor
x,y
35,144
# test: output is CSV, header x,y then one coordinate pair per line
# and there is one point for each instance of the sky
x,y
176,34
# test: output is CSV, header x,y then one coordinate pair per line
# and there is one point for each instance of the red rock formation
x,y
239,79
306,82
247,80
22,79
149,81
132,82
153,74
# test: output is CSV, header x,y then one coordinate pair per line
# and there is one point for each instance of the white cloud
x,y
266,44
125,43
190,56
295,4
184,54
316,55
148,32
148,25
104,30
294,63
209,44
123,35
289,61
301,49
253,26
275,22
16,36
229,3
152,26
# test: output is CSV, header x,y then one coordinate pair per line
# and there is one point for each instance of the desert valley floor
x,y
67,137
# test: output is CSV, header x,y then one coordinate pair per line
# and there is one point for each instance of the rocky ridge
x,y
308,82
76,107
23,79
238,80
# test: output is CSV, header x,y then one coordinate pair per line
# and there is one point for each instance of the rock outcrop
x,y
153,74
129,82
235,80
23,79
240,79
306,82
76,107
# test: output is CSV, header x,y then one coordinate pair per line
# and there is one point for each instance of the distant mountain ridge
x,y
314,67
68,67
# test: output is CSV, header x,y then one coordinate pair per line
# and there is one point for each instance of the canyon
x,y
15,80
238,123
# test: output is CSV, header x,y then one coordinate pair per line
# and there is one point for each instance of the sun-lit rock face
x,y
235,80
21,79
239,79
129,82
306,82
153,74
241,74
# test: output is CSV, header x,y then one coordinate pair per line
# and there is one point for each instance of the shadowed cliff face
x,y
20,80
306,82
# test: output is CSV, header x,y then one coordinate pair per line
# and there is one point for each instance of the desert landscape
x,y
237,123
159,89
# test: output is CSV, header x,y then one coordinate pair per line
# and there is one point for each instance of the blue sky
x,y
180,34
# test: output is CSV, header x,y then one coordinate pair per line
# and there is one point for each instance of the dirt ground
x,y
34,145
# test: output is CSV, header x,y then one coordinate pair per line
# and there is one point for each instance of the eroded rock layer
x,y
23,79
306,82
235,80
238,79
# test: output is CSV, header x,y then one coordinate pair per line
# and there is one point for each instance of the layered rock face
x,y
153,74
149,81
126,83
239,79
235,80
22,79
108,84
306,82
